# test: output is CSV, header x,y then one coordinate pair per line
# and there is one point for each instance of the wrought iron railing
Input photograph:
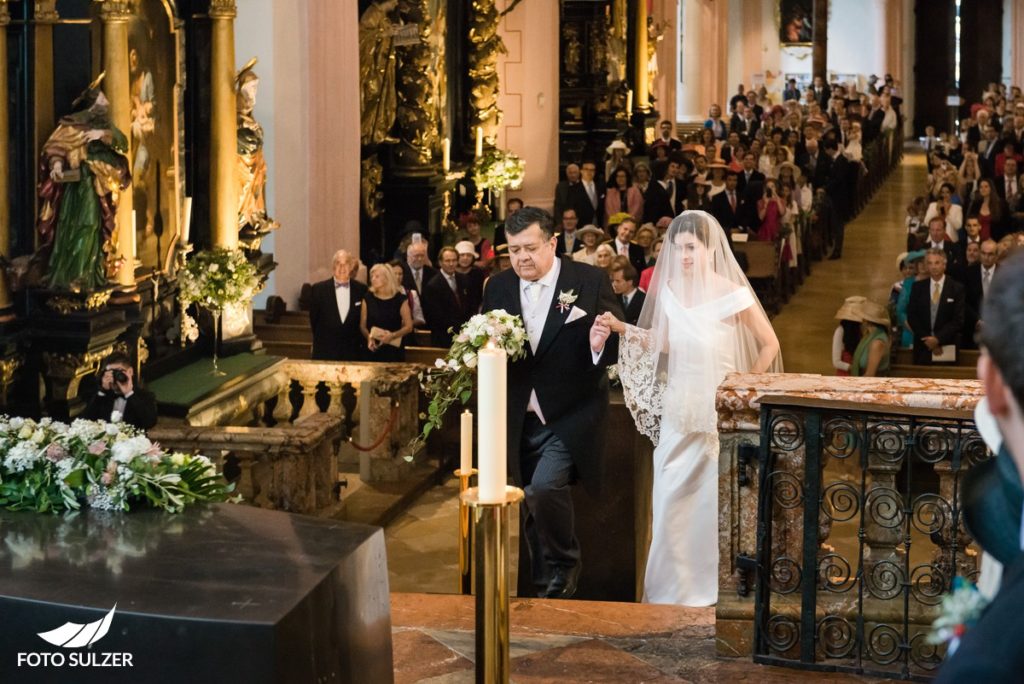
x,y
859,533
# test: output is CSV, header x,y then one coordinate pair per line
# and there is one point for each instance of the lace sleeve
x,y
642,387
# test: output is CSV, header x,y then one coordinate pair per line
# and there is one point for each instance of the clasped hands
x,y
604,325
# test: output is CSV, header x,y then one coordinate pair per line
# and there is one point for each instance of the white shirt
x,y
535,315
621,248
343,296
985,283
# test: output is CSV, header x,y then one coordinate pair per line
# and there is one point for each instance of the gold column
x,y
5,163
44,121
224,129
641,97
117,87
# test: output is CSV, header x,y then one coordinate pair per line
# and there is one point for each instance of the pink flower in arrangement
x,y
97,447
56,452
107,479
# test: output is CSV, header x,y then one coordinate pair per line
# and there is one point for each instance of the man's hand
x,y
931,342
599,333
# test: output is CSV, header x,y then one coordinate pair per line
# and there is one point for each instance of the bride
x,y
700,321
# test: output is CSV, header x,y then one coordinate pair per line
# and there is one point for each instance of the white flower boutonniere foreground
x,y
566,300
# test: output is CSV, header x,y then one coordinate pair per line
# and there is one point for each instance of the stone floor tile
x,y
418,656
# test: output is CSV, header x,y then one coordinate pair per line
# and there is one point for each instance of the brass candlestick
x,y
465,537
491,538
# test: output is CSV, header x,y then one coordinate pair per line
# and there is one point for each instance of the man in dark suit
x,y
937,239
837,189
557,393
977,282
936,309
568,241
119,398
988,150
512,205
563,194
587,196
726,205
445,298
623,247
815,163
416,272
624,281
822,92
749,174
657,202
334,312
992,650
673,143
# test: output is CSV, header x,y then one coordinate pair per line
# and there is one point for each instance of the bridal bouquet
x,y
48,466
451,378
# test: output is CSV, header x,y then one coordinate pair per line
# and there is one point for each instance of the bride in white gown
x,y
699,322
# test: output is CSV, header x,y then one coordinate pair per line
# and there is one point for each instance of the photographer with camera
x,y
119,399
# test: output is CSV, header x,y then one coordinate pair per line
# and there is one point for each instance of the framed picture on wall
x,y
795,17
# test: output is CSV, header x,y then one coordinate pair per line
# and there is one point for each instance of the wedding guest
x,y
119,398
603,256
563,190
645,237
622,197
936,309
623,245
416,269
471,224
918,271
871,357
446,304
386,317
412,296
590,237
475,276
624,279
334,311
943,207
568,238
847,334
977,283
512,205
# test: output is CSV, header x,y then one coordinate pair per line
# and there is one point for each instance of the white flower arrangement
x,y
215,279
48,466
451,378
496,169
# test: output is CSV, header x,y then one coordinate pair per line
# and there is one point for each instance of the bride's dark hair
x,y
689,222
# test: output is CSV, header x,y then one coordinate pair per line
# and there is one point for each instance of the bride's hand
x,y
613,323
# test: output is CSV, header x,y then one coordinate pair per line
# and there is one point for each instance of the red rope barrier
x,y
380,440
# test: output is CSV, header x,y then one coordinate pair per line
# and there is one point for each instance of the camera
x,y
120,377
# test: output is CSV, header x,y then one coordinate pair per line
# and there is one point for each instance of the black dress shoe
x,y
564,582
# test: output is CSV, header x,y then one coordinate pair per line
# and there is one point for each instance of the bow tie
x,y
337,285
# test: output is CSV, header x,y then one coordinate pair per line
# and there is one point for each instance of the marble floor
x,y
435,644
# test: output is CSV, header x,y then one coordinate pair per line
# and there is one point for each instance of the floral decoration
x,y
53,467
961,609
215,279
496,169
566,300
451,378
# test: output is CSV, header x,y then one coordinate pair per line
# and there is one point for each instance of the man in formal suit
x,y
992,650
988,150
726,205
512,205
657,201
815,164
749,174
838,191
334,311
588,196
977,283
120,398
791,92
624,281
672,189
568,241
623,247
822,92
563,194
936,309
938,239
416,271
557,393
673,143
445,299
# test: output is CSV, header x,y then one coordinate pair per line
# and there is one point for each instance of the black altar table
x,y
219,593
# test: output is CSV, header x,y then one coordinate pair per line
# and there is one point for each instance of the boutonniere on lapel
x,y
566,300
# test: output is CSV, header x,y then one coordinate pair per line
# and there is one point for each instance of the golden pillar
x,y
117,87
44,120
641,98
5,163
224,133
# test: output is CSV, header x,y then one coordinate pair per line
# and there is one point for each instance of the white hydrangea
x,y
22,456
124,450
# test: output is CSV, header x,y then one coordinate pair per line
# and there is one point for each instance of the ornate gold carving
x,y
377,62
115,10
7,370
65,305
420,84
485,46
5,15
65,371
46,12
223,9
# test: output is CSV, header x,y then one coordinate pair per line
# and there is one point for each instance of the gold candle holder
x,y
465,537
491,539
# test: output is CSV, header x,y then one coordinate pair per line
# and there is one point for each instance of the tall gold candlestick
x,y
465,534
491,538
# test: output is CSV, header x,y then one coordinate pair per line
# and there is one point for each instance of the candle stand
x,y
491,539
465,534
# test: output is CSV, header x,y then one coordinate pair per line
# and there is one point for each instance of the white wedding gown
x,y
682,565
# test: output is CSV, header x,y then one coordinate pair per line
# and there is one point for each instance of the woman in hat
x,y
622,196
616,157
847,334
590,236
700,200
717,169
471,223
474,274
915,261
871,357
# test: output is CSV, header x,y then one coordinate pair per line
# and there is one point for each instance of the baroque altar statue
x,y
378,98
252,166
83,170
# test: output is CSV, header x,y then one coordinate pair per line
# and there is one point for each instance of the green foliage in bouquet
x,y
217,278
497,169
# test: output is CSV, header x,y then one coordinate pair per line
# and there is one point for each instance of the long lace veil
x,y
700,321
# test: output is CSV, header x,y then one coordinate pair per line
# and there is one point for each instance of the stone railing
x,y
856,471
290,467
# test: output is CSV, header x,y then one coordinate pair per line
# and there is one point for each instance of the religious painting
x,y
153,60
795,27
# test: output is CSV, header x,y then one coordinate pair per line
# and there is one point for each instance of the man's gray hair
x,y
938,252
